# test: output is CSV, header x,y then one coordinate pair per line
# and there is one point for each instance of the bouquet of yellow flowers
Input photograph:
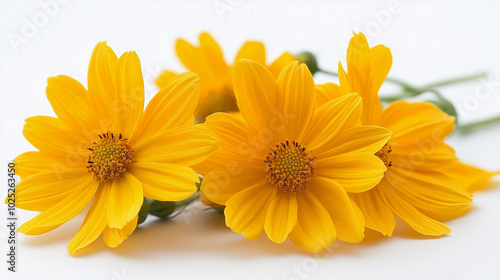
x,y
257,140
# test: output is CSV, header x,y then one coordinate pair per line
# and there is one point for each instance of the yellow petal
x,y
173,106
71,103
114,236
252,50
378,216
95,221
417,125
350,226
280,63
165,78
409,214
355,172
256,92
208,42
297,98
473,178
360,139
52,136
183,145
432,192
102,80
125,200
29,163
314,230
424,156
165,181
245,211
281,216
220,185
326,92
42,190
197,60
64,210
330,120
238,144
128,103
367,70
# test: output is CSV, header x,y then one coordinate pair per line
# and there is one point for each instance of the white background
x,y
429,42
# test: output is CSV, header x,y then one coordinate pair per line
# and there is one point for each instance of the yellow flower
x,y
103,146
216,75
284,167
421,186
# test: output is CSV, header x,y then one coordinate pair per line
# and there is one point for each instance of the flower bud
x,y
308,59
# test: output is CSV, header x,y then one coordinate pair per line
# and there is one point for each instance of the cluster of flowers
x,y
279,154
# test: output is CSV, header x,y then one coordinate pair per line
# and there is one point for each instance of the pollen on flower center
x,y
110,156
290,166
384,154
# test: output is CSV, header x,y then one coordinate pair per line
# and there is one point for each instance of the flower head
x,y
421,186
103,146
286,168
216,75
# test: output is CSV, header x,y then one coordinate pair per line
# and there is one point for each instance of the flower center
x,y
110,156
290,166
384,154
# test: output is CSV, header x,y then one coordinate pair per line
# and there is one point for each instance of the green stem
x,y
468,127
184,204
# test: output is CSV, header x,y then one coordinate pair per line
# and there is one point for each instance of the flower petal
x,y
474,179
165,181
101,82
95,221
42,190
435,194
125,200
238,144
220,185
355,172
114,236
417,125
256,92
297,98
52,136
330,120
378,216
280,63
326,92
71,103
360,139
173,106
281,216
128,103
29,163
349,224
64,210
314,230
246,210
184,145
409,214
367,70
252,50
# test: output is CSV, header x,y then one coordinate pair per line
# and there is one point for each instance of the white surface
x,y
429,42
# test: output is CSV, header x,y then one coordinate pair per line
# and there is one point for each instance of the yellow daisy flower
x,y
420,186
216,75
284,167
103,146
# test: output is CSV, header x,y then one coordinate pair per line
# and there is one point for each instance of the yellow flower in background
x,y
422,185
216,75
286,168
104,147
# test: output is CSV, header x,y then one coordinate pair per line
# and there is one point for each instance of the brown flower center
x,y
384,154
109,156
290,166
